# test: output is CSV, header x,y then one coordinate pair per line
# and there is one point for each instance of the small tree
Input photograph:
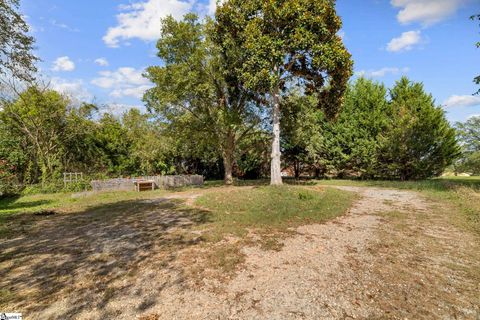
x,y
419,142
277,43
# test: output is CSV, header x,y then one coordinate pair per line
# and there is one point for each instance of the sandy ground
x,y
393,256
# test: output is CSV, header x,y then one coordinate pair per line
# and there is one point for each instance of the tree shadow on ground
x,y
12,204
93,257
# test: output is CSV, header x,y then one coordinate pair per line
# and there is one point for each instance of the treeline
x,y
234,97
379,133
43,134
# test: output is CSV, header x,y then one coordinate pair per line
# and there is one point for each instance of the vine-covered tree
x,y
16,58
278,43
195,92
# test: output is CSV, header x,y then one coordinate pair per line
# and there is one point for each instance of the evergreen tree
x,y
351,142
419,142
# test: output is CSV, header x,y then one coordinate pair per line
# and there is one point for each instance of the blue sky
x,y
97,50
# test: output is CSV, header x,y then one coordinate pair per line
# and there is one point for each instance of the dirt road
x,y
393,256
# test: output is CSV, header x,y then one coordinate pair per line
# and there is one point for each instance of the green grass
x,y
11,208
460,193
235,211
67,201
438,184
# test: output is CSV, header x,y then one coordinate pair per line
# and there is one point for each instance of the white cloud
x,y
382,72
405,42
61,25
136,92
462,101
426,12
119,108
143,19
124,82
63,64
75,89
101,62
212,6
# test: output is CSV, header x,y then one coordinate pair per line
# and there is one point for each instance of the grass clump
x,y
235,211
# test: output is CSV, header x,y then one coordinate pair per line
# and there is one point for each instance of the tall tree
x,y
282,42
419,142
195,92
351,142
16,58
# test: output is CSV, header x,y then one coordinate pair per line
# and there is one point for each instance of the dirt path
x,y
390,257
393,256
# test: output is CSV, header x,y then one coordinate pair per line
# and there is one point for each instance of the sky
x,y
96,51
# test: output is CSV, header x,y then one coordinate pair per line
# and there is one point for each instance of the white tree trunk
x,y
228,165
276,170
228,158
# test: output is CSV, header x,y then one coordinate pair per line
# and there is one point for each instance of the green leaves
x,y
16,45
284,40
204,103
419,142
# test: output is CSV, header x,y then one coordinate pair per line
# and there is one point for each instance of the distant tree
x,y
151,149
303,128
469,137
419,142
278,43
469,134
196,95
112,138
16,58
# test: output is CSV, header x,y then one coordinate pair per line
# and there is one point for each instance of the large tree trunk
x,y
276,171
228,166
228,159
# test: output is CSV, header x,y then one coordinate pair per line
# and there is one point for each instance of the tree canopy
x,y
195,91
281,42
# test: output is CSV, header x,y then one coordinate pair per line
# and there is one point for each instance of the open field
x,y
332,250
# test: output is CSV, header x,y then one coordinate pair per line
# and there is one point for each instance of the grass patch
x,y
271,209
262,216
226,258
67,202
